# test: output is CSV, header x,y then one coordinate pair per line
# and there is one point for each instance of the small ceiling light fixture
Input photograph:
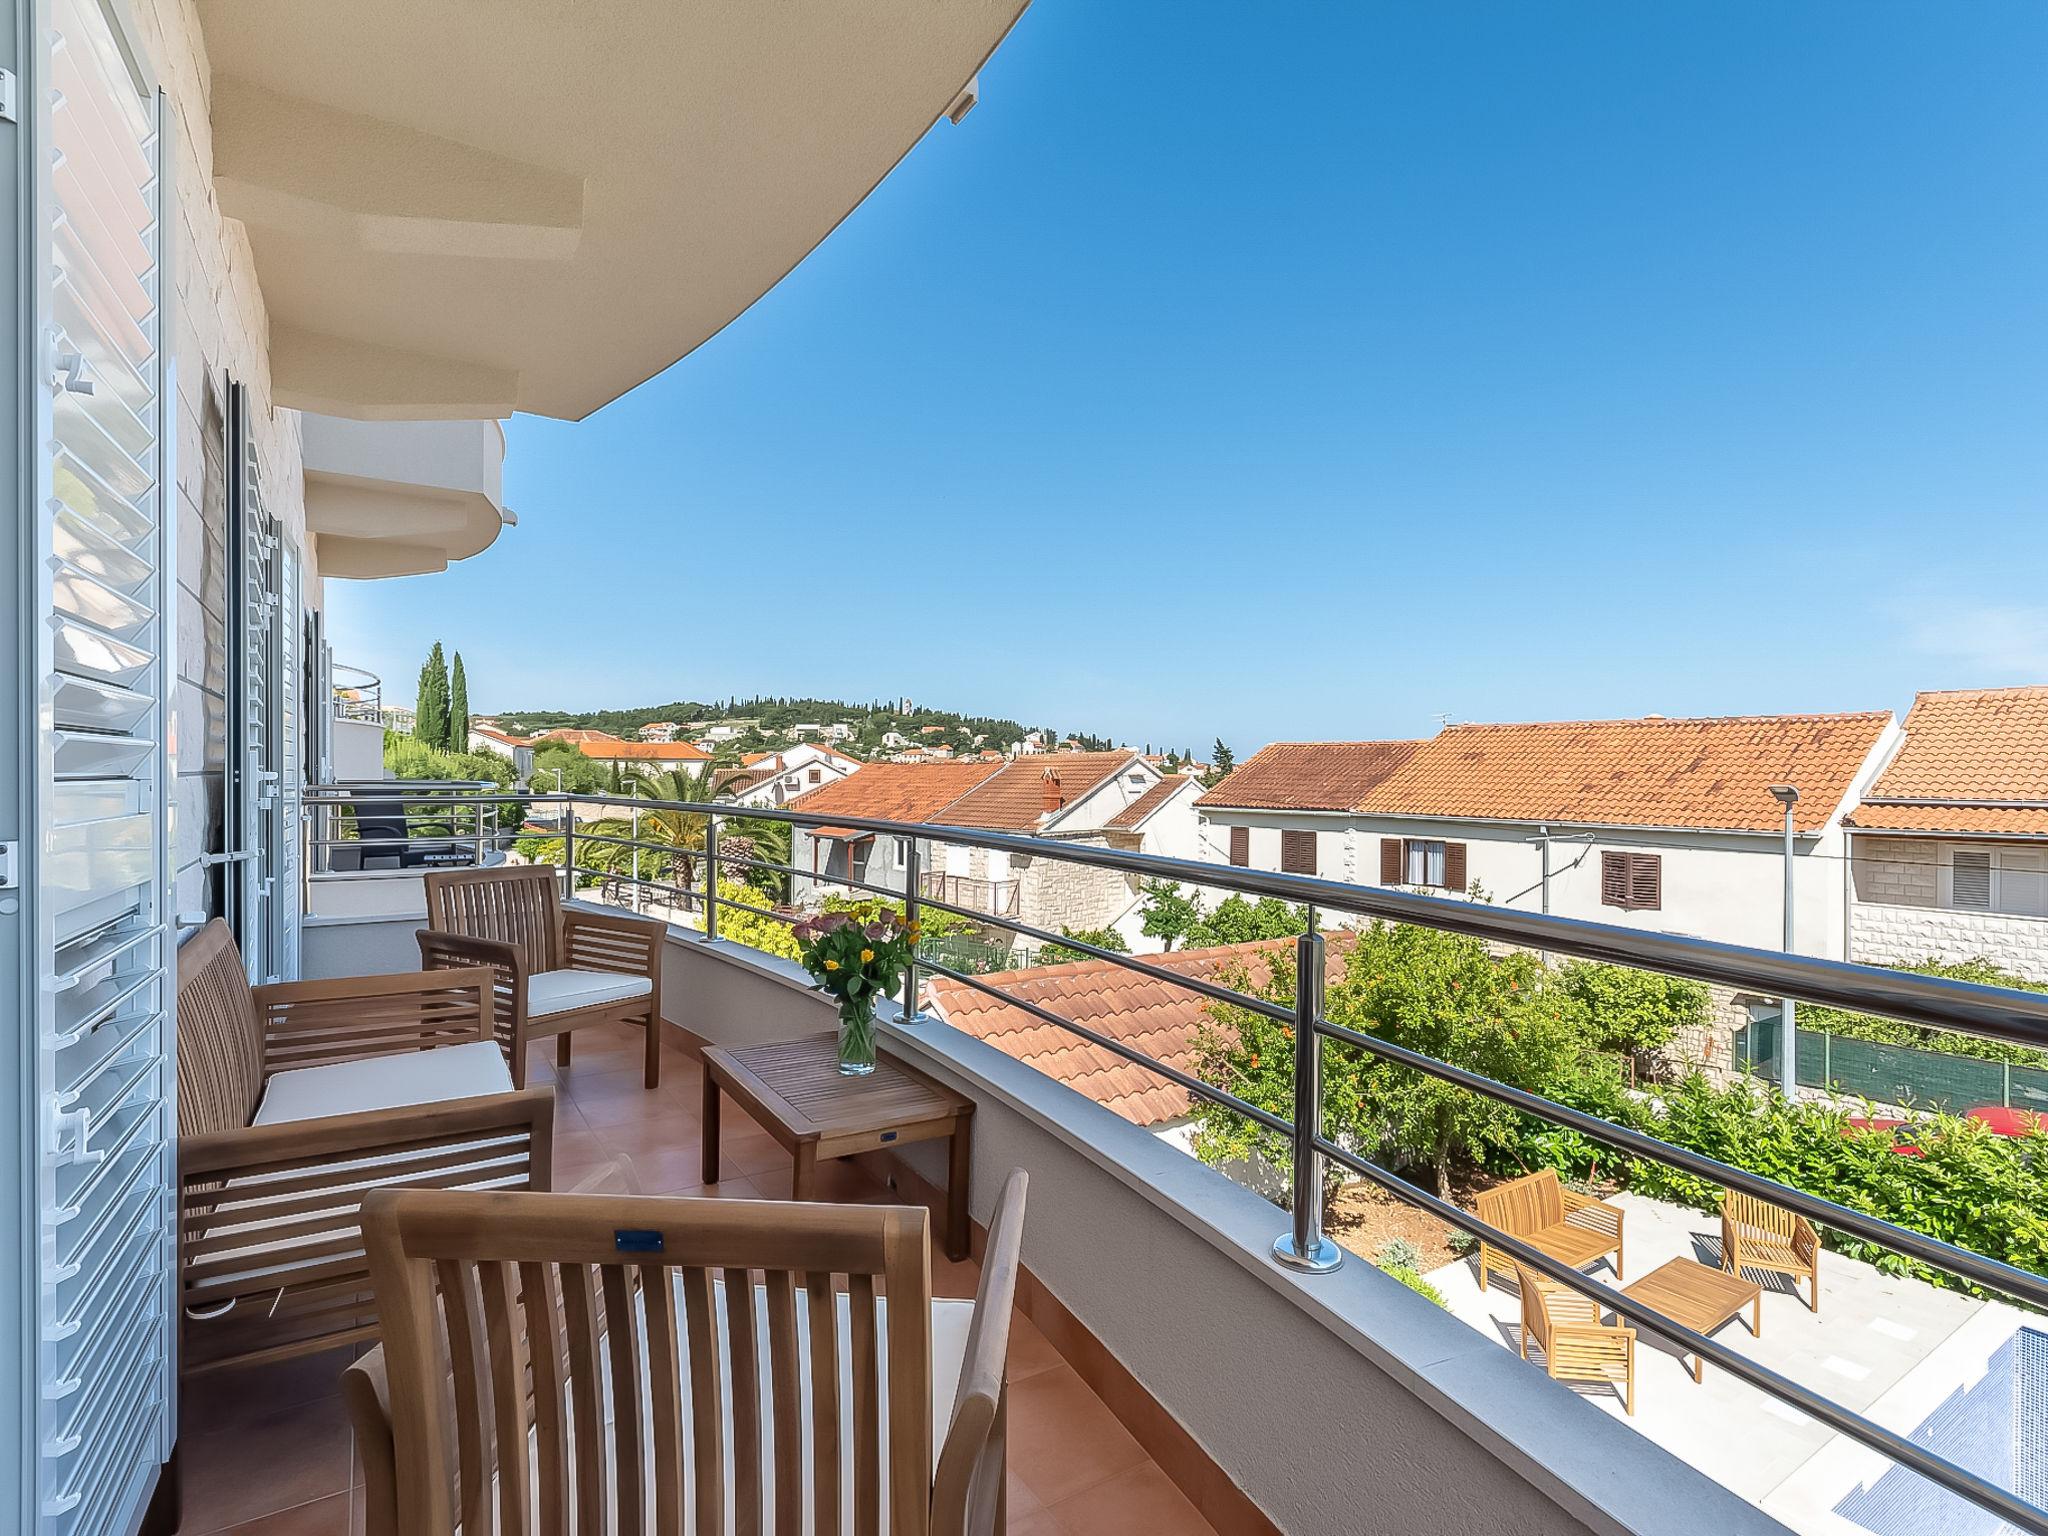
x,y
964,103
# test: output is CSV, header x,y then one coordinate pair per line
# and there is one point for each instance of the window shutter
x,y
1454,866
1614,880
1646,882
1970,880
1298,853
1241,846
99,1262
1390,861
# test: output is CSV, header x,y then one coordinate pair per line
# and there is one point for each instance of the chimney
x,y
1053,799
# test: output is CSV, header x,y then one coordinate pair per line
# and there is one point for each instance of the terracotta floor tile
x,y
1022,1501
233,1398
323,1517
1040,1522
1141,1499
1030,1350
1062,1439
292,1455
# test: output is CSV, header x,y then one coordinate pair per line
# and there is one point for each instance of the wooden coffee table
x,y
794,1091
1698,1298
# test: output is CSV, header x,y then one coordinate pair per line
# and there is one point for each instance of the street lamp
x,y
1788,1059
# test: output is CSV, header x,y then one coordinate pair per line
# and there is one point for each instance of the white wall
x,y
1723,886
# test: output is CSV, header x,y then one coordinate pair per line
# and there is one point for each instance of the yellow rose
x,y
866,955
831,965
914,928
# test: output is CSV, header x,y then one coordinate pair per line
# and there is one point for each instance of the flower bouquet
x,y
857,963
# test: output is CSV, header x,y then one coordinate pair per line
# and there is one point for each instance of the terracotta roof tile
x,y
1310,775
1134,815
1012,799
610,749
1969,755
1148,1015
1713,774
894,791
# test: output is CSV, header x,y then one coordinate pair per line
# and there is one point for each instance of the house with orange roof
x,y
638,756
1652,822
776,778
1110,799
485,736
1950,844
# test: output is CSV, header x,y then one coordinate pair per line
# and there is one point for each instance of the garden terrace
x,y
1221,1263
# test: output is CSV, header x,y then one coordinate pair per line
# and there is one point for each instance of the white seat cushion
x,y
385,1082
559,991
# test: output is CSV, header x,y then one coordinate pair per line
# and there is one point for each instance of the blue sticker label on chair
x,y
632,1240
888,1135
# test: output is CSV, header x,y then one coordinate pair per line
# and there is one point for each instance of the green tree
x,y
1169,911
1863,1026
580,775
1632,1010
1221,761
431,706
458,707
680,833
1101,938
1238,921
756,837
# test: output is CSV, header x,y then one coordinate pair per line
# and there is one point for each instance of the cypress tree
x,y
432,704
458,708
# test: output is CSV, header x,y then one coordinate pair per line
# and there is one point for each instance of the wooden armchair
x,y
295,1099
1577,1345
1758,1235
1569,1226
556,970
756,1404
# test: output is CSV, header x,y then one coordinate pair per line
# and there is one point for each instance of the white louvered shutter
x,y
103,1034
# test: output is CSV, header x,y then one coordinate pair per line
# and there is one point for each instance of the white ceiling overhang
x,y
463,208
401,498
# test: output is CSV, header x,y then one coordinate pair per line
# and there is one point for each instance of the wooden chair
x,y
1573,1228
557,970
1577,1345
1758,1235
784,1404
295,1099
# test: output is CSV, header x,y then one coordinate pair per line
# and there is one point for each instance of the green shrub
x,y
1414,1281
1632,1010
1397,1253
1101,938
1460,1242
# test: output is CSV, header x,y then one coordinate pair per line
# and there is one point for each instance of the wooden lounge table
x,y
794,1091
1698,1298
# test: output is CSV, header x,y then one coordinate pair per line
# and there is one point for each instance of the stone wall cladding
x,y
1059,895
1897,871
1906,935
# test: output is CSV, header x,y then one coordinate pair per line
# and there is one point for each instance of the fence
x,y
1891,1074
2019,1018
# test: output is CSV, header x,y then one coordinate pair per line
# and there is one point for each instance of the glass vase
x,y
856,1039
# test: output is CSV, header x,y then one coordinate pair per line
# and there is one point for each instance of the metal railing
x,y
358,694
998,898
2015,1017
364,826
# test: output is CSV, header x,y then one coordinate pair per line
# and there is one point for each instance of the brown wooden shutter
x,y
1614,880
1298,853
1646,882
1241,846
1454,866
1390,861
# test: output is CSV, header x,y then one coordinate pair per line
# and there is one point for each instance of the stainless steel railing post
x,y
710,878
912,874
568,849
1304,1247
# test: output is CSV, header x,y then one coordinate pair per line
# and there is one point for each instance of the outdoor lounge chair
x,y
1577,1345
557,970
384,840
1573,1228
799,1383
1760,1236
295,1099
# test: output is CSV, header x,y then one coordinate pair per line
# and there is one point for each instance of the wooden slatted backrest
x,y
625,1428
1524,1205
517,904
1535,1292
970,1471
1759,1216
220,1040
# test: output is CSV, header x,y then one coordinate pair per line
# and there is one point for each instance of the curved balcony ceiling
x,y
463,208
402,498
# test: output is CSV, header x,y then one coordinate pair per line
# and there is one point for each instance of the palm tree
x,y
681,832
757,837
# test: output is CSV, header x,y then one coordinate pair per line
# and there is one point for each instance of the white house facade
x,y
1950,844
776,778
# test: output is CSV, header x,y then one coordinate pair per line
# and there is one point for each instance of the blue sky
x,y
1318,370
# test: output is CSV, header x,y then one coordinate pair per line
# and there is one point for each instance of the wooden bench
x,y
1573,1228
556,970
296,1099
